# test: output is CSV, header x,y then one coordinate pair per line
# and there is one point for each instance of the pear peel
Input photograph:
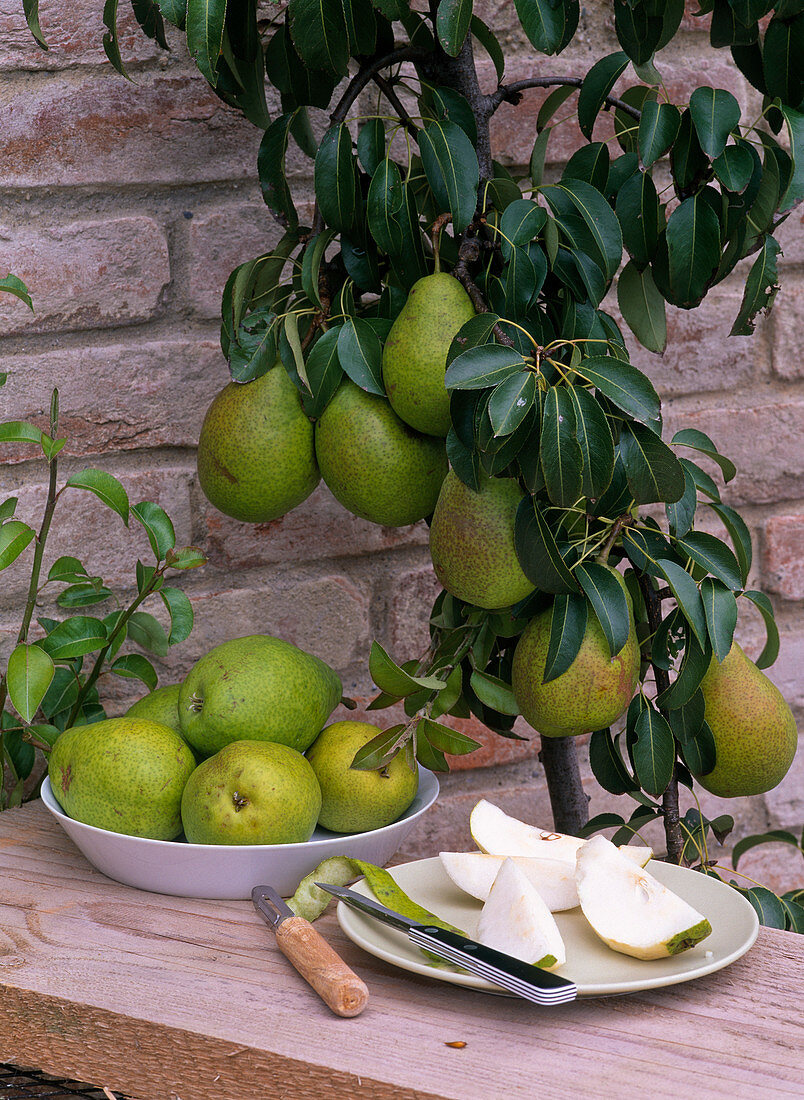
x,y
629,909
475,872
516,920
497,833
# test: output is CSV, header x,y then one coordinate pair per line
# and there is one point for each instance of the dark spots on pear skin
x,y
66,778
224,471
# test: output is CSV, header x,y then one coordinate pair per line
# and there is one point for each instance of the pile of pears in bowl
x,y
191,789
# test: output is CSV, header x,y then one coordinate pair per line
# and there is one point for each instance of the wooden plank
x,y
163,997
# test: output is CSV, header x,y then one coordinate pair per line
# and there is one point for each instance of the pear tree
x,y
602,515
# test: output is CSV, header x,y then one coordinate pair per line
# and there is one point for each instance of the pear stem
x,y
618,525
670,810
568,800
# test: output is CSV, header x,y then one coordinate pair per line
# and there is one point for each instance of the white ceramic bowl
x,y
231,871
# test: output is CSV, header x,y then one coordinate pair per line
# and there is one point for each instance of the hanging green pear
x,y
594,691
753,727
414,361
472,542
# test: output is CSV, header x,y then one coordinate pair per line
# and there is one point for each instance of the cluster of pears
x,y
238,753
382,457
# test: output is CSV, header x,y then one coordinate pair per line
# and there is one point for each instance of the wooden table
x,y
163,998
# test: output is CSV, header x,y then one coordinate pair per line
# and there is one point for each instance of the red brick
x,y
219,242
119,397
319,528
92,274
74,34
410,603
98,128
790,235
700,355
763,441
784,556
788,339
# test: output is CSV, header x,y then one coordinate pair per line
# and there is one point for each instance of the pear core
x,y
415,356
373,463
256,458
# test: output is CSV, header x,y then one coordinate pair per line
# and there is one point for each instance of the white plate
x,y
594,967
230,871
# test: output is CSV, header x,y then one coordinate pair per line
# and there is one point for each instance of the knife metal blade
x,y
528,981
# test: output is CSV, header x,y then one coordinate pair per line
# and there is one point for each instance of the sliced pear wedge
x,y
474,873
629,909
516,920
499,834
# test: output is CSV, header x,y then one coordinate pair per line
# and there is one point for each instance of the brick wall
x,y
126,204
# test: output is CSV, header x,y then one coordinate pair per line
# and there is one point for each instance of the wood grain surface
x,y
166,998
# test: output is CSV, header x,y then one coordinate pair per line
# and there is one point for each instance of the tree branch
x,y
387,90
469,253
366,73
512,93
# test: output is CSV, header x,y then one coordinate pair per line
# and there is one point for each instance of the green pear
x,y
256,458
251,792
593,692
472,542
160,705
415,357
125,774
753,727
374,464
257,688
356,801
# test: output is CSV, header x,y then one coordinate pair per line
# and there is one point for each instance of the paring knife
x,y
321,967
540,986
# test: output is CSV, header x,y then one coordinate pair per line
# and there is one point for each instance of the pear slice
x,y
474,873
629,909
516,920
498,834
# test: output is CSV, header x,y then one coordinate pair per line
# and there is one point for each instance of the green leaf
x,y
681,513
445,739
624,385
29,675
609,601
187,557
642,307
773,836
324,372
654,751
567,629
699,441
106,488
149,17
84,595
452,24
271,171
715,113
708,551
782,51
693,249
8,508
158,527
360,355
511,401
638,212
767,905
594,438
111,42
543,23
770,650
488,41
380,750
204,23
371,144
319,34
384,206
18,431
74,637
760,288
13,285
587,221
687,597
493,692
597,84
734,168
521,221
658,128
335,180
795,128
483,366
720,608
67,570
148,633
450,164
31,10
693,668
653,471
133,666
392,679
14,537
559,450
181,614
739,534
607,763
538,552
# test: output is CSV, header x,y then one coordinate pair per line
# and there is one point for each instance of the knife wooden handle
x,y
336,984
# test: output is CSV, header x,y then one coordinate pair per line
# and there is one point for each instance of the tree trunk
x,y
568,800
